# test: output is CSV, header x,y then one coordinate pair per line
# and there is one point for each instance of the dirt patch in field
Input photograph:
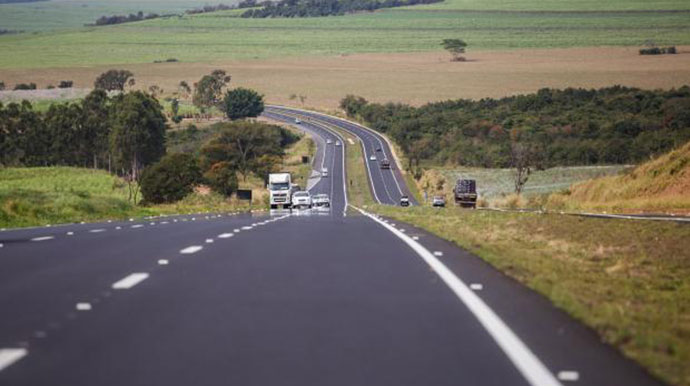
x,y
414,78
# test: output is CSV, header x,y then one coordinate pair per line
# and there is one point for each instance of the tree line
x,y
316,8
615,125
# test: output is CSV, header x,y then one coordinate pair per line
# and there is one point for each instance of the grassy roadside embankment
x,y
52,195
628,280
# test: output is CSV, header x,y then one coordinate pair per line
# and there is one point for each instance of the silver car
x,y
321,201
301,199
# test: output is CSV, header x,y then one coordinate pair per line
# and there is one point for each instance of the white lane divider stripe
x,y
163,262
70,233
209,241
191,249
534,371
43,238
225,235
83,307
476,287
10,355
97,230
246,228
137,226
438,253
131,280
568,376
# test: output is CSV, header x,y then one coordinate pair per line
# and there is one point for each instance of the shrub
x,y
65,84
222,178
24,86
170,179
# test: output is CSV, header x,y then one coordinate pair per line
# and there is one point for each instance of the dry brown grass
x,y
414,78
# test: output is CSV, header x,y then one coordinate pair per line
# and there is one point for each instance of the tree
x,y
137,137
209,90
2,86
170,179
222,178
243,103
456,47
96,130
114,80
155,90
184,89
522,158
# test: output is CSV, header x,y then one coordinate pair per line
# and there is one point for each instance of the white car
x,y
372,158
321,201
301,199
328,141
324,172
337,143
297,121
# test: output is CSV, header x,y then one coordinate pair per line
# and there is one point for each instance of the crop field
x,y
499,182
70,14
223,35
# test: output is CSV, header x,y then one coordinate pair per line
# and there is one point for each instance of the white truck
x,y
280,188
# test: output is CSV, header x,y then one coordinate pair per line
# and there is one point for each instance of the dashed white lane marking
x,y
153,223
118,228
225,235
209,241
43,238
236,230
10,355
191,249
163,262
164,223
193,218
476,287
175,220
131,280
70,233
568,376
402,230
247,228
415,238
137,226
438,253
97,230
1,245
83,306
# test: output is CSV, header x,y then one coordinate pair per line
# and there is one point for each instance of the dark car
x,y
404,201
385,164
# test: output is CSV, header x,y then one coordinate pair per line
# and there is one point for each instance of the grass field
x,y
70,14
221,36
628,280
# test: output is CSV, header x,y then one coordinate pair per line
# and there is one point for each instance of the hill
x,y
660,185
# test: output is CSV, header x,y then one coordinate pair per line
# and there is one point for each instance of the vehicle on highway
x,y
438,201
378,148
297,121
385,164
404,201
328,142
465,193
280,190
372,158
321,201
337,143
324,172
301,199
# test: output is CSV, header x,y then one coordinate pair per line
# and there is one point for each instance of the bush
x,y
222,178
170,179
242,103
65,84
24,86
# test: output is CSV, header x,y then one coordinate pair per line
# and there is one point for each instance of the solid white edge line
x,y
130,281
534,371
10,355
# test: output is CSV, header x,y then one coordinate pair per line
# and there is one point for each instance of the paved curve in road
x,y
284,298
387,185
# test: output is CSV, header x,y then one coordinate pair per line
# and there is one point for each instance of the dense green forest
x,y
615,125
316,8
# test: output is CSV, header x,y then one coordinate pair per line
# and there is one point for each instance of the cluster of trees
x,y
123,134
119,19
9,31
211,91
658,50
615,125
316,8
241,147
222,7
32,86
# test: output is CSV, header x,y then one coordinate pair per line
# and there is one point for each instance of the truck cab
x,y
280,189
465,193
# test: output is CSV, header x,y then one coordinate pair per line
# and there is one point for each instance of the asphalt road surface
x,y
283,298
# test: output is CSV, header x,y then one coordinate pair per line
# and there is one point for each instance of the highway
x,y
282,298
